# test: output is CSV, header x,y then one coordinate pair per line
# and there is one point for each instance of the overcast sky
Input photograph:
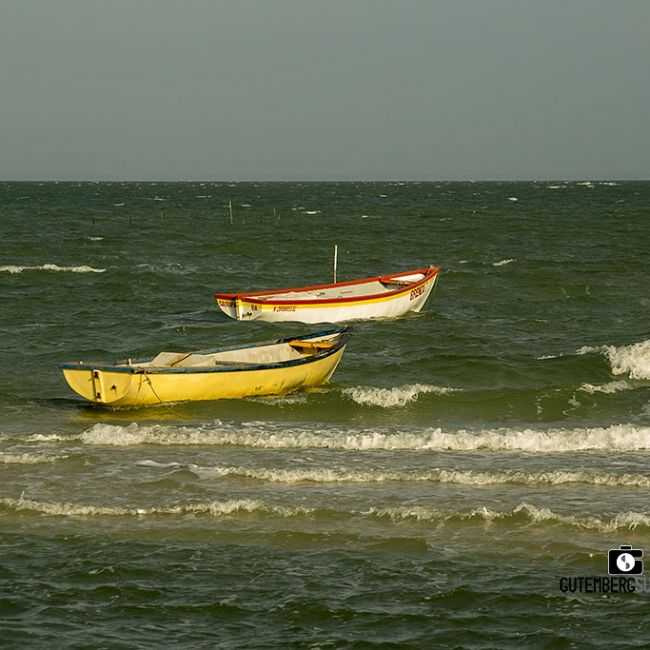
x,y
324,89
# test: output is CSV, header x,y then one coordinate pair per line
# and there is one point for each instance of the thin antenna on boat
x,y
230,209
336,251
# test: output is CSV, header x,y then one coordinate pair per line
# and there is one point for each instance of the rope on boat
x,y
153,390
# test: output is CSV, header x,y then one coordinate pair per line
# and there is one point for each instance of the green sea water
x,y
460,463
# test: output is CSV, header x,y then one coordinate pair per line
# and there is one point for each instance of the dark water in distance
x,y
459,464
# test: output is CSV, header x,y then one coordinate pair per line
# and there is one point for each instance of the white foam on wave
x,y
291,399
210,508
29,459
392,397
267,435
49,437
524,513
633,360
51,267
157,465
530,514
587,349
609,388
503,262
434,475
96,238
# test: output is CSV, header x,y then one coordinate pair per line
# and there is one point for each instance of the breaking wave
x,y
523,514
610,388
50,437
503,262
211,508
29,459
633,360
435,475
619,437
51,267
392,397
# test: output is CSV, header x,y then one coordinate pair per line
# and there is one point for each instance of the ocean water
x,y
459,464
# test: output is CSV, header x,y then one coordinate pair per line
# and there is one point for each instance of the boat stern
x,y
96,385
227,302
237,306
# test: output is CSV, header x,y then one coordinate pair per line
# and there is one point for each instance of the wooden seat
x,y
311,346
168,359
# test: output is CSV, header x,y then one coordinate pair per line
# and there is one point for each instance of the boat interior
x,y
358,289
271,353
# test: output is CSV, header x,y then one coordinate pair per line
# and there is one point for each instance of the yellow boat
x,y
272,368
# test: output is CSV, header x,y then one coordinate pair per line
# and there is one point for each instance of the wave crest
x,y
268,435
609,389
435,475
392,397
524,513
29,459
633,360
51,267
211,508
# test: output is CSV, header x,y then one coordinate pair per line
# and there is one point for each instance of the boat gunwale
x,y
341,341
429,272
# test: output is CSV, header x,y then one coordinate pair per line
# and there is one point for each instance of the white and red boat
x,y
384,296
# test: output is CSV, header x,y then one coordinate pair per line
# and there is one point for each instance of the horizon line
x,y
576,179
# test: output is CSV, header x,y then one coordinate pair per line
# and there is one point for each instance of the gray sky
x,y
324,89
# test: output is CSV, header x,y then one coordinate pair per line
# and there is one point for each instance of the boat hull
x,y
389,305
